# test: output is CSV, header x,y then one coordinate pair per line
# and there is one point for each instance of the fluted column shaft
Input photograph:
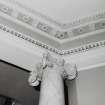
x,y
52,88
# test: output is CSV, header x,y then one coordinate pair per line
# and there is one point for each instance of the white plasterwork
x,y
24,54
80,9
16,45
66,70
45,25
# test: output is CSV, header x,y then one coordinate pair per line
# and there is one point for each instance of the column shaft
x,y
52,88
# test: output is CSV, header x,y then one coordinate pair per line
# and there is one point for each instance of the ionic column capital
x,y
66,70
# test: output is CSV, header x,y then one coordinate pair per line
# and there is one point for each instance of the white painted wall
x,y
88,88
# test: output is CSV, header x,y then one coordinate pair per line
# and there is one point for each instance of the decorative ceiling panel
x,y
64,11
62,22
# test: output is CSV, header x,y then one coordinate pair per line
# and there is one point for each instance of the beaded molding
x,y
29,39
84,48
34,23
80,49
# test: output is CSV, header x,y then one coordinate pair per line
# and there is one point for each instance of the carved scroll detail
x,y
67,71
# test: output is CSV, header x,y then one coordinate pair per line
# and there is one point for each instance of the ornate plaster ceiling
x,y
64,25
67,28
65,11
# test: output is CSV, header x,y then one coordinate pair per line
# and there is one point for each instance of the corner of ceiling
x,y
61,32
60,38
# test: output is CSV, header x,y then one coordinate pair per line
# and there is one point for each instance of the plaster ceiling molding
x,y
62,35
47,29
98,11
66,13
80,49
71,29
64,30
84,48
34,23
34,12
30,21
85,29
44,27
100,25
25,56
80,31
29,39
85,20
5,9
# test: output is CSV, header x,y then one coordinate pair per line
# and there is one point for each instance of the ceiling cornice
x,y
72,51
91,18
22,53
61,34
28,38
50,27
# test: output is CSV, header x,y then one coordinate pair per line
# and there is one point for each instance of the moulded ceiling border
x,y
29,56
95,22
72,51
94,17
